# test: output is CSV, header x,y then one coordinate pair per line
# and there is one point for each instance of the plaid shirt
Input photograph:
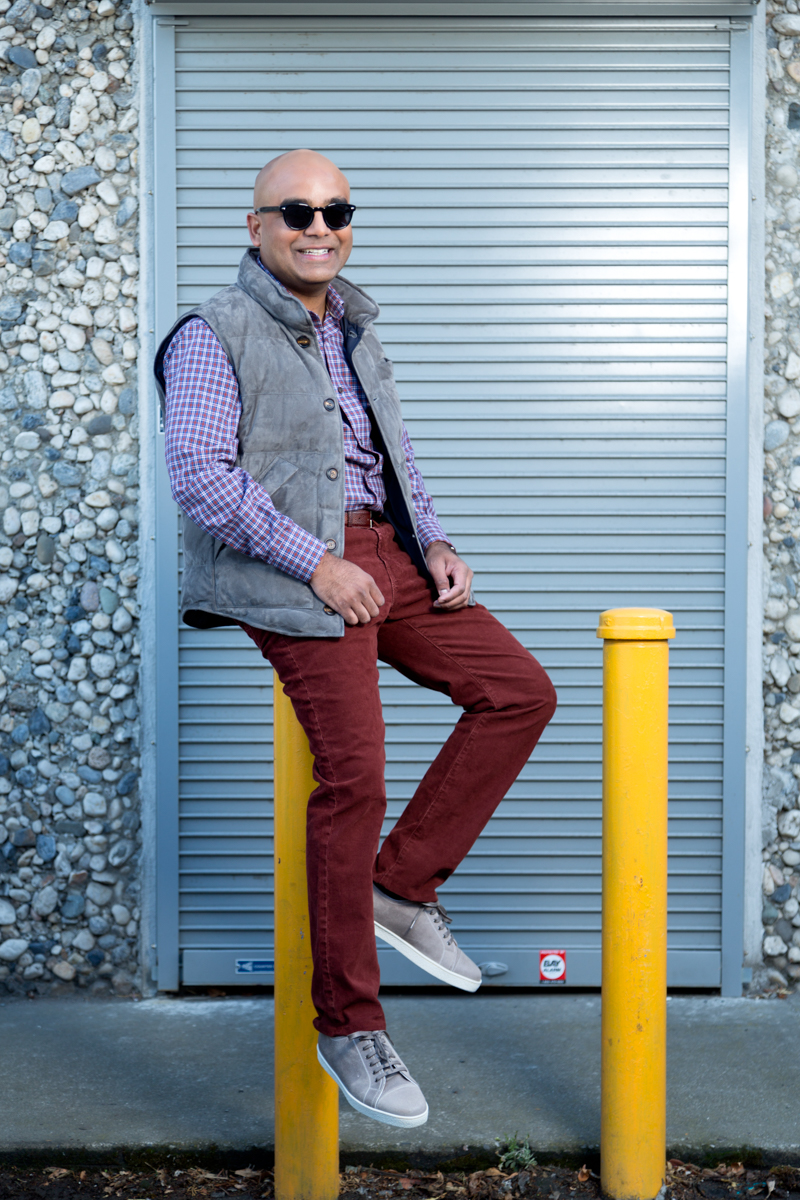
x,y
203,413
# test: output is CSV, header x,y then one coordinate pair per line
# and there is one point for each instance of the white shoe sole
x,y
376,1114
427,964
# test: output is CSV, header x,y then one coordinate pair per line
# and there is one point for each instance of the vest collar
x,y
359,308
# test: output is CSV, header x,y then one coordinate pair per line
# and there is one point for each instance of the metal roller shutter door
x,y
544,219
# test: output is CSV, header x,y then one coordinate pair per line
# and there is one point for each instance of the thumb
x,y
439,576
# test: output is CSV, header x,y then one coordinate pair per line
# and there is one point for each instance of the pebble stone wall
x,y
781,814
69,735
69,753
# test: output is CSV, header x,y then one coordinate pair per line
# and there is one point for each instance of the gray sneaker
x,y
374,1079
420,932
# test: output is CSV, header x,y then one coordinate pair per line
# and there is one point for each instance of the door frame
x,y
743,730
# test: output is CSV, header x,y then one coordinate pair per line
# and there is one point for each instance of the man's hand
x,y
344,587
452,576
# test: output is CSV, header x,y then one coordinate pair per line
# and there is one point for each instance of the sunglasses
x,y
300,216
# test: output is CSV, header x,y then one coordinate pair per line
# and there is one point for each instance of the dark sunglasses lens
x,y
298,216
338,216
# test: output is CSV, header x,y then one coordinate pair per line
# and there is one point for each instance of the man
x,y
308,524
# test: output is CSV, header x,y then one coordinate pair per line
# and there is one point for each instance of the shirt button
x,y
330,405
328,610
332,473
340,391
304,341
330,544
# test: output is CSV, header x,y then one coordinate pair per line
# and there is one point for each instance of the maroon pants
x,y
333,684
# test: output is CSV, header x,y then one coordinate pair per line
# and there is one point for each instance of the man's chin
x,y
312,278
305,281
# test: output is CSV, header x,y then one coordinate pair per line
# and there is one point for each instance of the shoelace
x,y
380,1054
438,915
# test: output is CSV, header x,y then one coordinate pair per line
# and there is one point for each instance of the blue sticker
x,y
255,966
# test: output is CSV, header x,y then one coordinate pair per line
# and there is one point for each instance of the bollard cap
x,y
636,625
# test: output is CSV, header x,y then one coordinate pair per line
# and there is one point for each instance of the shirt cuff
x,y
430,532
298,554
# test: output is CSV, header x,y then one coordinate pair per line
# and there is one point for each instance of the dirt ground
x,y
684,1181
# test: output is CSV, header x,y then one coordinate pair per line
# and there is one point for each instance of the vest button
x,y
330,405
329,612
304,341
332,473
330,544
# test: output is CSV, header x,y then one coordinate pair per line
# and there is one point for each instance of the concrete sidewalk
x,y
188,1075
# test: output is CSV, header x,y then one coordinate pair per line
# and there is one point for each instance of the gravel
x,y
781,808
68,561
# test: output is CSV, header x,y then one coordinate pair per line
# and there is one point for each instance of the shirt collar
x,y
334,302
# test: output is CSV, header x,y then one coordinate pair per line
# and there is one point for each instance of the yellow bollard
x,y
634,1018
306,1098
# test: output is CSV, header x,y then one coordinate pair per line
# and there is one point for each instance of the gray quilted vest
x,y
290,441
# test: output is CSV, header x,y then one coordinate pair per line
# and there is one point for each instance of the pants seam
x,y
322,905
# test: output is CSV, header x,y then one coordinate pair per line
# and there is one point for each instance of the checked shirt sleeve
x,y
428,526
203,412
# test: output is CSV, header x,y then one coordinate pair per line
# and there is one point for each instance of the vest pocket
x,y
293,484
279,472
245,583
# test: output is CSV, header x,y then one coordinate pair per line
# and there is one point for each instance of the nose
x,y
317,228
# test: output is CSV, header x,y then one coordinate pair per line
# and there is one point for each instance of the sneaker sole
x,y
375,1113
427,964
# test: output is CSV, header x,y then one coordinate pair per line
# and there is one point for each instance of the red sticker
x,y
552,966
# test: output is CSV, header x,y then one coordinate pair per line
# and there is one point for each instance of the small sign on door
x,y
254,966
552,966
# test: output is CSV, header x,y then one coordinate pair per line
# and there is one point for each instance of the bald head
x,y
289,176
304,260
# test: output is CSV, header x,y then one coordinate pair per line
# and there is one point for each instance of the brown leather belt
x,y
363,516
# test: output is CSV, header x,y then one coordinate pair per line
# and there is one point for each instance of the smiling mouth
x,y
318,253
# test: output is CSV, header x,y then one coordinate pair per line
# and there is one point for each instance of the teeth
x,y
316,252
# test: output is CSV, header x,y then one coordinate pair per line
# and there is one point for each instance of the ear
x,y
254,228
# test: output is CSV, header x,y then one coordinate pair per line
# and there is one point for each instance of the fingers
x,y
351,592
364,601
451,576
356,597
439,575
356,611
362,608
356,615
456,596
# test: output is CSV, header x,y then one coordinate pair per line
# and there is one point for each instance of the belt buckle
x,y
370,518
